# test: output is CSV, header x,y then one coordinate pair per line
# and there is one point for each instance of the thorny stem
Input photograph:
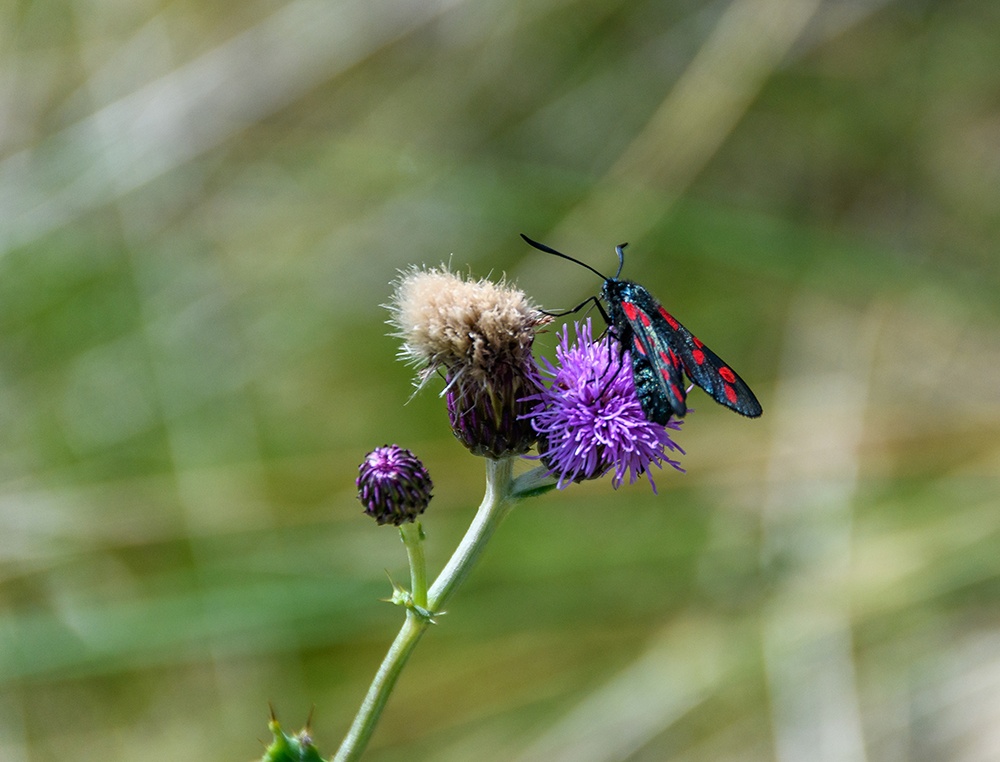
x,y
499,499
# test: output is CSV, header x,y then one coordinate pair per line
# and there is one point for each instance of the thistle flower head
x,y
393,485
589,420
479,334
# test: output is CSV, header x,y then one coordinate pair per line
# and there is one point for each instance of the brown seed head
x,y
468,327
479,334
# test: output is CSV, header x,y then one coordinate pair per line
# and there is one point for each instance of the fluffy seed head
x,y
467,326
479,334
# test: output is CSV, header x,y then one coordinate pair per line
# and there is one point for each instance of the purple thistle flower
x,y
589,420
393,485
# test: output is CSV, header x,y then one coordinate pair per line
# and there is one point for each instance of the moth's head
x,y
614,289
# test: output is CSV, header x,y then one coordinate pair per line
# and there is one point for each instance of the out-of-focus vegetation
x,y
201,209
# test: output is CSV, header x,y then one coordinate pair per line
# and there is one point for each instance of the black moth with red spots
x,y
660,348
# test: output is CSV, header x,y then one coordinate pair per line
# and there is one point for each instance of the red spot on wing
x,y
697,342
677,392
699,356
666,358
673,359
728,375
669,318
666,373
730,392
644,318
638,345
630,310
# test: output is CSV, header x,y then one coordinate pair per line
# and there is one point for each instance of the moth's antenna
x,y
543,247
621,258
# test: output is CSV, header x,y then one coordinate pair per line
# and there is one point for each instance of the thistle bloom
x,y
393,485
479,334
589,421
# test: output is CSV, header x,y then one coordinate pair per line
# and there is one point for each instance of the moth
x,y
662,350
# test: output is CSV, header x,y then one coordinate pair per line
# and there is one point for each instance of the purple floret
x,y
589,420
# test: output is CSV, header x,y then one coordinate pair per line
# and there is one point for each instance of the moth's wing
x,y
706,368
656,368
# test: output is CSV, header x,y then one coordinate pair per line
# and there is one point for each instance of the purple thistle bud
x,y
393,485
589,421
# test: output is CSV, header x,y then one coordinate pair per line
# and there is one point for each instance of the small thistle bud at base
x,y
393,485
290,748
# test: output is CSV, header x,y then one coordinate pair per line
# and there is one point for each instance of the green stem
x,y
378,693
496,504
413,538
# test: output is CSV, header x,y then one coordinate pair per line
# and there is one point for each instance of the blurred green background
x,y
202,206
